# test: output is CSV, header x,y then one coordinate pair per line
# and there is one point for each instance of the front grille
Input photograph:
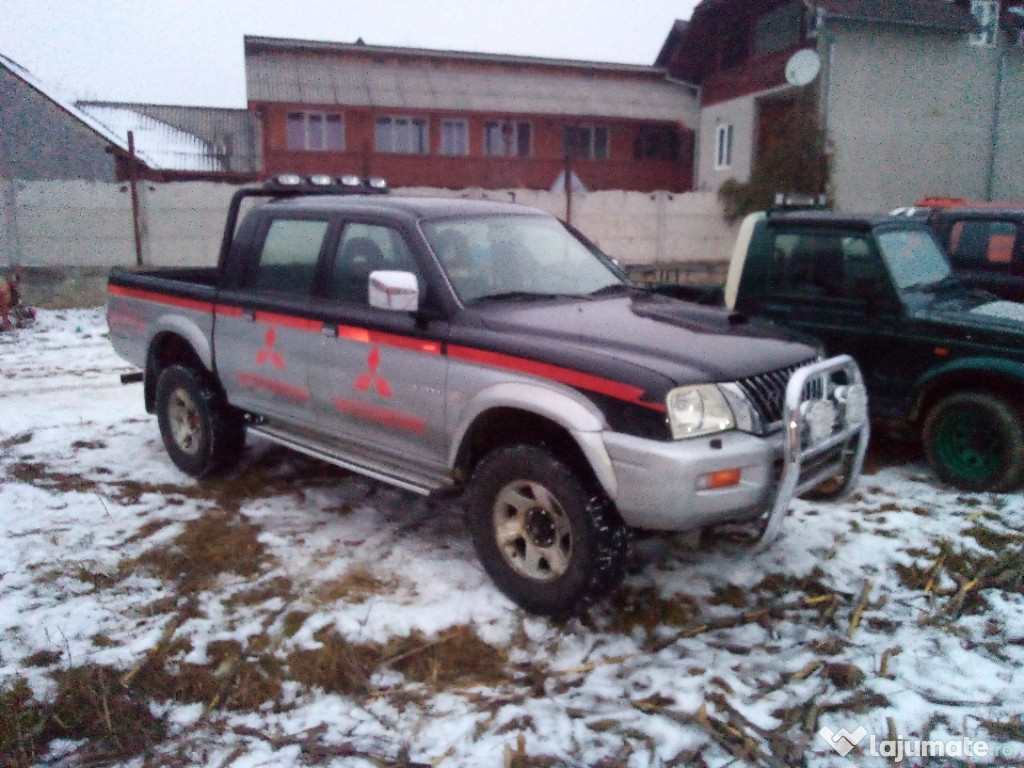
x,y
767,391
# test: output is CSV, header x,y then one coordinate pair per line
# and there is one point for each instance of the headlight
x,y
699,410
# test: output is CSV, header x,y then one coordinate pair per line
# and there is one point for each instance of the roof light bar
x,y
322,183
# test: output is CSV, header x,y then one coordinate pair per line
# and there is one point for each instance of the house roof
x,y
309,72
97,127
228,136
164,146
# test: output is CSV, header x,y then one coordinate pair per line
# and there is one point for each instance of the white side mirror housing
x,y
393,290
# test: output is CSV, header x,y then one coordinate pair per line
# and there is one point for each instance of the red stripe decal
x,y
367,336
288,321
381,415
227,310
160,298
555,373
282,388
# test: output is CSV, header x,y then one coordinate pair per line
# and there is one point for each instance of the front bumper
x,y
662,485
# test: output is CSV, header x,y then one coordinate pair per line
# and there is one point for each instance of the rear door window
x,y
289,255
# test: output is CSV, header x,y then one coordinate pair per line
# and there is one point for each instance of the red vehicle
x,y
984,241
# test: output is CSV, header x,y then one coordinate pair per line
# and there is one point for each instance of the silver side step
x,y
416,483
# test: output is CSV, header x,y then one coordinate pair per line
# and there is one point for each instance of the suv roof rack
x,y
797,201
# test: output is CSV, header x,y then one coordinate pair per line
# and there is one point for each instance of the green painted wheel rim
x,y
967,442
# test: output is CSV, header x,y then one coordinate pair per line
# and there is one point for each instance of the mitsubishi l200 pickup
x,y
487,349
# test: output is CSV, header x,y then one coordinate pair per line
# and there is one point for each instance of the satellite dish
x,y
802,67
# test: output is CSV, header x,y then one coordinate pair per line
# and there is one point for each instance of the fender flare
x,y
188,330
577,415
1009,370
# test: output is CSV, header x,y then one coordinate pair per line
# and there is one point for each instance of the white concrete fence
x,y
75,224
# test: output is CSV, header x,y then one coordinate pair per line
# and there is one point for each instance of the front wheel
x,y
975,441
203,435
546,542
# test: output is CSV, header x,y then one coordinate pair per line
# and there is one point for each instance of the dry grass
x,y
90,706
645,609
219,542
457,657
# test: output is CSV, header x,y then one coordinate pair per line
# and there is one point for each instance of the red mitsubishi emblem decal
x,y
366,380
269,354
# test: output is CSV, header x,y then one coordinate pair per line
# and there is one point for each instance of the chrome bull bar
x,y
826,434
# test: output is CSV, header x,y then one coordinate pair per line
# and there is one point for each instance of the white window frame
x,y
454,137
591,145
986,13
723,146
308,145
508,132
416,140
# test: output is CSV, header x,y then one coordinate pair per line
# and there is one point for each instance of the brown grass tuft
x,y
631,609
218,542
92,705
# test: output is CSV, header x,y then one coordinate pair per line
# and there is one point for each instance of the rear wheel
x,y
548,543
203,435
975,441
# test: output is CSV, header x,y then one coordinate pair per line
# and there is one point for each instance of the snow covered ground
x,y
294,614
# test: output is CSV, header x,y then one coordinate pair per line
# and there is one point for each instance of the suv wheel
x,y
975,441
549,544
202,434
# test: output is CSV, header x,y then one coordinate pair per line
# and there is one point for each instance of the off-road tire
x,y
203,435
975,441
562,548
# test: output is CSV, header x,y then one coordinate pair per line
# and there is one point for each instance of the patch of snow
x,y
604,687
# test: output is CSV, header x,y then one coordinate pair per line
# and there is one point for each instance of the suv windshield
x,y
913,258
517,256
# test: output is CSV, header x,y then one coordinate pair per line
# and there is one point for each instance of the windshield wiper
x,y
524,296
612,289
949,281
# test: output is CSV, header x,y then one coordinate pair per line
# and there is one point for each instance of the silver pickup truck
x,y
490,350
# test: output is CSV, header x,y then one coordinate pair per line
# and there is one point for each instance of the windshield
x,y
516,256
913,258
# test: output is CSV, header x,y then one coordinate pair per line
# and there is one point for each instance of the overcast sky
x,y
190,51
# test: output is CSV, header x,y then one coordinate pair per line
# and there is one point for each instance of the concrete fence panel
x,y
81,225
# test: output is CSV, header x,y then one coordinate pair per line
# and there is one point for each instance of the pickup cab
x,y
485,349
940,361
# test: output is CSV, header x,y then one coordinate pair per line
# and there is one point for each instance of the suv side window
x,y
288,256
975,242
818,264
362,249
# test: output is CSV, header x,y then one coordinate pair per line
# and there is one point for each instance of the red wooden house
x,y
451,119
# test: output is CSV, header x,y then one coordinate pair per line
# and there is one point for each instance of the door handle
x,y
329,330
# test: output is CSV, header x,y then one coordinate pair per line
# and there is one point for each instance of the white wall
x,y
89,224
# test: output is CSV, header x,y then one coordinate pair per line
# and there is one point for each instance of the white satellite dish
x,y
802,67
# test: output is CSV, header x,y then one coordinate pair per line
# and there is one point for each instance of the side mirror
x,y
393,290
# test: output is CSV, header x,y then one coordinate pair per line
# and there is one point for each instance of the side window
x,y
362,249
823,265
289,255
979,242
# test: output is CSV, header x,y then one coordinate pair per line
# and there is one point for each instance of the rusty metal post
x,y
567,180
133,184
